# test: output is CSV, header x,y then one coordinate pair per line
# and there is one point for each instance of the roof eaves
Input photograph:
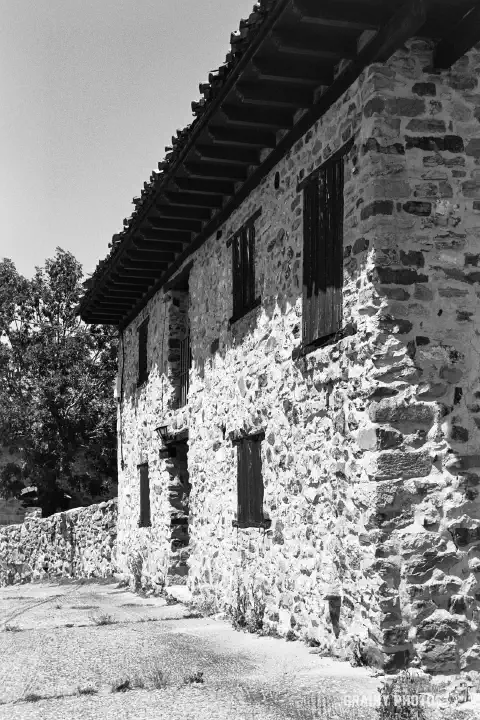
x,y
246,39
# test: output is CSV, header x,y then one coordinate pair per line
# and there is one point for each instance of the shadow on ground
x,y
94,650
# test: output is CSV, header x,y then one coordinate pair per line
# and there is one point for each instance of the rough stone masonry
x,y
78,543
371,457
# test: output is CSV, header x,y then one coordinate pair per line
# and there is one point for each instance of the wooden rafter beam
x,y
131,283
210,185
114,290
350,15
157,256
113,307
141,273
155,266
163,223
183,212
459,41
140,247
102,305
225,153
302,71
220,171
275,94
114,295
174,240
274,119
193,199
243,137
311,44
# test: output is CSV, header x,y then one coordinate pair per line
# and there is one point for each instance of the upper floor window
x,y
323,207
243,268
178,326
250,483
185,365
142,352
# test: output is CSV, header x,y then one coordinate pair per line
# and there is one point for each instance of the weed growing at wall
x,y
400,698
135,566
238,611
257,613
248,611
357,653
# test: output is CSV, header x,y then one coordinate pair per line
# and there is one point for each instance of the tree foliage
x,y
57,410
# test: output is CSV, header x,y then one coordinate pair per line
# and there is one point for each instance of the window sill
x,y
256,303
322,342
265,524
141,382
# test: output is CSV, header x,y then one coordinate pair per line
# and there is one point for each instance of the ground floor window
x,y
145,519
250,482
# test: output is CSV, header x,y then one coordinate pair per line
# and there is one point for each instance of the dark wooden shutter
x,y
236,275
243,268
185,365
255,489
142,352
323,252
310,255
337,259
250,269
242,483
245,264
250,482
144,496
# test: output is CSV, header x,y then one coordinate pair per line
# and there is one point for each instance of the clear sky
x,y
91,92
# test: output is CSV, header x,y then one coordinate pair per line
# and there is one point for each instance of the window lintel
x,y
344,150
248,223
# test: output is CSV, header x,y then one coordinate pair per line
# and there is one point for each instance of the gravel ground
x,y
52,646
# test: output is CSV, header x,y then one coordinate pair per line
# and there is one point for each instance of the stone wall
x,y
316,491
371,457
77,543
421,155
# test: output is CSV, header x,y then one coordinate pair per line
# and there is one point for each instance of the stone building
x,y
297,294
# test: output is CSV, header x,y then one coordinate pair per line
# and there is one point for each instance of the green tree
x,y
57,410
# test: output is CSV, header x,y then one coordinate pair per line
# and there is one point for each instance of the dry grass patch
x,y
12,627
158,677
122,685
103,619
32,697
196,677
84,607
87,690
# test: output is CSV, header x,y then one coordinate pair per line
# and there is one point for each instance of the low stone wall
x,y
76,543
